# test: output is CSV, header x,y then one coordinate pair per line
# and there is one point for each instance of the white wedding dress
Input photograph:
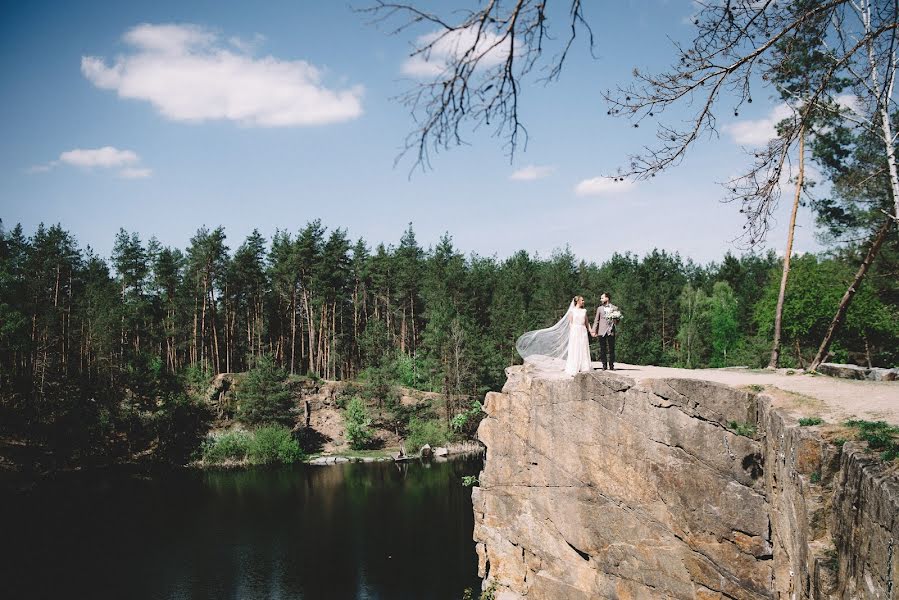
x,y
565,345
578,344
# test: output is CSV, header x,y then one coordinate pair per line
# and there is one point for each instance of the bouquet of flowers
x,y
612,315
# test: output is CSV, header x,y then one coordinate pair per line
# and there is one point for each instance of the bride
x,y
566,340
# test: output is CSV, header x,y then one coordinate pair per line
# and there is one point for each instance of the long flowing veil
x,y
551,342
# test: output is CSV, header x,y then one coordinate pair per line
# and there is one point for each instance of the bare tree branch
x,y
476,62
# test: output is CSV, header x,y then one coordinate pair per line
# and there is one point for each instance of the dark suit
x,y
605,330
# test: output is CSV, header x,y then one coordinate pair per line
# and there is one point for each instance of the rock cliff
x,y
603,486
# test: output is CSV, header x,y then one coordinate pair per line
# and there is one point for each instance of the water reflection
x,y
366,531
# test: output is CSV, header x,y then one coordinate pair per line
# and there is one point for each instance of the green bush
x,y
466,422
274,444
808,421
263,397
420,432
358,424
264,446
744,429
230,446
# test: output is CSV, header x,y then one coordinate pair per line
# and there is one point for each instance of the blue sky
x,y
271,114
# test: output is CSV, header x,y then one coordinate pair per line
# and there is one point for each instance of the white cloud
x,y
107,156
135,173
532,172
434,61
758,132
600,186
189,74
41,168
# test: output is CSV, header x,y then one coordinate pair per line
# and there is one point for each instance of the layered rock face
x,y
603,487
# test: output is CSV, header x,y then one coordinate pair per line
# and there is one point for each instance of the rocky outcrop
x,y
604,487
858,372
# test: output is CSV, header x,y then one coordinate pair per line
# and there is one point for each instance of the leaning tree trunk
x,y
879,237
778,314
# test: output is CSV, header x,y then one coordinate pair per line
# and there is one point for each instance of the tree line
x,y
91,347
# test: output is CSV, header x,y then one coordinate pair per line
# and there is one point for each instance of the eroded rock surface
x,y
604,487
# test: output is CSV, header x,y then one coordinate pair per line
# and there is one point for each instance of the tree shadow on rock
x,y
311,440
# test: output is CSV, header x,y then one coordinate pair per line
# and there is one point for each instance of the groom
x,y
604,329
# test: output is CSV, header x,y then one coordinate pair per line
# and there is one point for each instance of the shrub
x,y
263,397
274,444
808,421
467,420
358,423
230,446
420,432
264,446
744,429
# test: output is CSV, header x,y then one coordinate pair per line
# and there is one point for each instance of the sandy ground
x,y
830,398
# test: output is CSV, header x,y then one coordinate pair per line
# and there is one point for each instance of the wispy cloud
x,y
532,172
758,132
491,48
603,186
135,173
190,74
107,157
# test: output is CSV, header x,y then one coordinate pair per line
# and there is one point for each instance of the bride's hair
x,y
575,299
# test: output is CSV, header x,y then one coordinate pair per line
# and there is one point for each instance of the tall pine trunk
x,y
778,313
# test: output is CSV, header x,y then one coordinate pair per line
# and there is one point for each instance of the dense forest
x,y
95,349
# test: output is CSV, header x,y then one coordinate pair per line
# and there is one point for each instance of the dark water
x,y
372,531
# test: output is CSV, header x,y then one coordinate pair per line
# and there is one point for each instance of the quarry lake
x,y
362,531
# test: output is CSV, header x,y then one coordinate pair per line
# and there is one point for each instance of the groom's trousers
x,y
607,350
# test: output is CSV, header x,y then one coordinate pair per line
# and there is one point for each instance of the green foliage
x,y
879,435
262,396
422,432
815,477
181,423
694,327
99,356
723,324
274,444
232,446
488,594
809,421
815,289
358,424
744,429
469,480
467,420
263,446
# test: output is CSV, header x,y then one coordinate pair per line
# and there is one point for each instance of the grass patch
x,y
744,429
809,421
756,387
880,436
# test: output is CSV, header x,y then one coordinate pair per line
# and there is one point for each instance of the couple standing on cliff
x,y
568,339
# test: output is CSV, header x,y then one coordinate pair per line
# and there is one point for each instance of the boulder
x,y
843,371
